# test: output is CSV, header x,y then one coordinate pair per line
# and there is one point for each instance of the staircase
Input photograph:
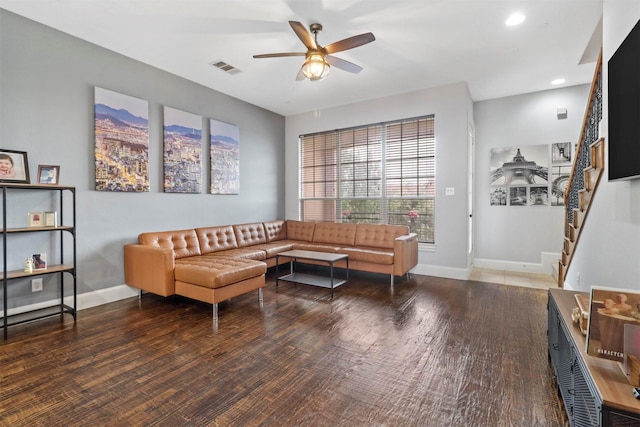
x,y
588,168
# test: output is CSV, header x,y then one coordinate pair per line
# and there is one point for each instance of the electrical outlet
x,y
36,285
578,279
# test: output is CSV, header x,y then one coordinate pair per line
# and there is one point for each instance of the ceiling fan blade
x,y
277,55
303,35
349,43
343,65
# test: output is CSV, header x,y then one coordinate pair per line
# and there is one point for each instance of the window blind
x,y
382,173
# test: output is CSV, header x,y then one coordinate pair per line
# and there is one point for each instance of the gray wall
x,y
453,116
46,109
518,238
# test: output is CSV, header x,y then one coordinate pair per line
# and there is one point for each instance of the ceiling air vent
x,y
227,68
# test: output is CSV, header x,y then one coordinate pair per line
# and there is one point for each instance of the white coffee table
x,y
311,279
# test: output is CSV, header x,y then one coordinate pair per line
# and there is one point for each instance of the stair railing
x,y
589,157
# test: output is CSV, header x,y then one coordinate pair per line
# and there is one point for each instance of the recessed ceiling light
x,y
558,81
515,19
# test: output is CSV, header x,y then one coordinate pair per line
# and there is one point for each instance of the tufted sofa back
x,y
249,234
213,239
379,235
184,243
275,230
299,230
335,233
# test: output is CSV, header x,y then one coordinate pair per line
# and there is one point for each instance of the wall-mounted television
x,y
624,109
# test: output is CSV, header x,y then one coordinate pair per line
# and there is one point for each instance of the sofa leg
x,y
392,280
215,311
260,295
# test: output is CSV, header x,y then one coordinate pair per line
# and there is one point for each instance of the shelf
x,y
310,279
66,252
37,186
31,229
16,274
40,313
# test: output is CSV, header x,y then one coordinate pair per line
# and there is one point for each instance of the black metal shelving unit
x,y
63,269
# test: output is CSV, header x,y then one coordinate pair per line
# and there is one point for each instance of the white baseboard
x,y
548,264
439,271
86,300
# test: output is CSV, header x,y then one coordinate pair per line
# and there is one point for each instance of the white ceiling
x,y
419,43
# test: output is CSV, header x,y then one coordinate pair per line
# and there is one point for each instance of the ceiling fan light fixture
x,y
315,67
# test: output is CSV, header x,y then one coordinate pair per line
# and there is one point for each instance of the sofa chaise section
x,y
171,262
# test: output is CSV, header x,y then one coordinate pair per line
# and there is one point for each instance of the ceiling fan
x,y
318,59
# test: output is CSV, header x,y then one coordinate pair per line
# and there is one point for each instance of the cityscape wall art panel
x,y
225,158
182,151
121,142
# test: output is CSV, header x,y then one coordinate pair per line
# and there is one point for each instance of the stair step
x,y
591,178
561,274
573,234
597,154
577,218
568,246
584,198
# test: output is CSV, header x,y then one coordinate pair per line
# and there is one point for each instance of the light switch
x,y
450,191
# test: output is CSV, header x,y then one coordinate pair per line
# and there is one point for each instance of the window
x,y
383,173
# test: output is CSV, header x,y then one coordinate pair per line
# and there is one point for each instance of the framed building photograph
x,y
48,174
14,166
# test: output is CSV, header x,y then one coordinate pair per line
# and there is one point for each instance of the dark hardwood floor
x,y
427,352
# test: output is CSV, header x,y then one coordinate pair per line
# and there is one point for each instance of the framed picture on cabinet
x,y
14,166
610,311
48,174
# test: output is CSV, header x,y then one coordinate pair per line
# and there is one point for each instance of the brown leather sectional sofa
x,y
214,264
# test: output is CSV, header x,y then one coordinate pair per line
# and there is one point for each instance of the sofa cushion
x,y
316,247
213,239
373,255
300,230
271,249
379,235
184,243
335,233
216,272
246,253
275,230
249,234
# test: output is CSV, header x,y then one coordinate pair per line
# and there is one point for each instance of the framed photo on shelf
x,y
50,219
14,166
39,261
48,174
35,219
